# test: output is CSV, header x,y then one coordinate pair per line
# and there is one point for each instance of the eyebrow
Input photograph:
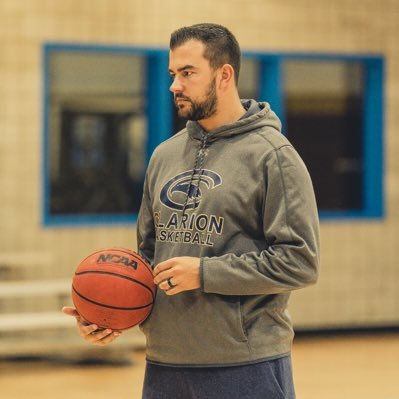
x,y
183,68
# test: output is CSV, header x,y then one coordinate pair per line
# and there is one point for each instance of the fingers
x,y
163,285
172,285
167,280
162,279
96,336
179,274
169,283
173,291
70,311
91,332
162,269
169,269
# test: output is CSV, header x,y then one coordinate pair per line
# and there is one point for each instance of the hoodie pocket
x,y
230,311
193,327
220,311
244,333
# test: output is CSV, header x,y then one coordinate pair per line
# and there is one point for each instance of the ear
x,y
226,76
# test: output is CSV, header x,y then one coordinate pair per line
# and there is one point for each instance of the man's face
x,y
194,81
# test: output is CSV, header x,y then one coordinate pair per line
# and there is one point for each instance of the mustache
x,y
181,97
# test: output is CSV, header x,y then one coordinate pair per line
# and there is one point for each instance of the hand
x,y
91,332
182,272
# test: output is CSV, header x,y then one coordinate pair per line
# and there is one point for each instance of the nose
x,y
176,86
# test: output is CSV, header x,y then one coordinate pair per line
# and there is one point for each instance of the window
x,y
248,80
323,103
100,128
106,108
331,109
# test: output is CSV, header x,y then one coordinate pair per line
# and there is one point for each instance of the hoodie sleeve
x,y
291,232
145,227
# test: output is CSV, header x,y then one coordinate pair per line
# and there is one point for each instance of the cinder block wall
x,y
359,279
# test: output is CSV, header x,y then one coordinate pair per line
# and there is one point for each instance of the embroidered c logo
x,y
174,192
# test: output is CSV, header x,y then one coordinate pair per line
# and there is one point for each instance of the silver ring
x,y
171,285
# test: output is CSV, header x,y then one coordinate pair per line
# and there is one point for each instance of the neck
x,y
227,112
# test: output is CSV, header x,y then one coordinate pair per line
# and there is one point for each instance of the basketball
x,y
113,288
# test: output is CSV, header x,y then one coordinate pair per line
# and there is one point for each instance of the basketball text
x,y
111,258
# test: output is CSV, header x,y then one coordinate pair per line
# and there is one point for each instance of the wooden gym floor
x,y
355,366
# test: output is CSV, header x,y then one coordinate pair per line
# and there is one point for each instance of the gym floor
x,y
353,366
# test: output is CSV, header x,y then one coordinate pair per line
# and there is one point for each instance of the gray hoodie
x,y
240,198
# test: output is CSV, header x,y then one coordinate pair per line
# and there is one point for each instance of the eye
x,y
187,73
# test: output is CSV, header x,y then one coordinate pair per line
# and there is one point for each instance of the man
x,y
229,222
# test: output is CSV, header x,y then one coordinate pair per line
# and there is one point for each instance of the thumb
x,y
70,311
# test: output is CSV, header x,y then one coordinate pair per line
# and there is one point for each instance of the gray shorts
x,y
266,380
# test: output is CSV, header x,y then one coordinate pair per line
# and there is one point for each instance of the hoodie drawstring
x,y
198,167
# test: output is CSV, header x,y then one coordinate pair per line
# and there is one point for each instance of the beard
x,y
199,110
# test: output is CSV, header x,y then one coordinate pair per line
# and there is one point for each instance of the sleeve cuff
x,y
202,281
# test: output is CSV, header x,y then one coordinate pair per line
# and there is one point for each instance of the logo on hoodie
x,y
184,191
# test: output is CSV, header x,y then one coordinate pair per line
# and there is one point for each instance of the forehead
x,y
189,53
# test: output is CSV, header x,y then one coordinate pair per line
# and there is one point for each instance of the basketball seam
x,y
124,328
109,306
117,275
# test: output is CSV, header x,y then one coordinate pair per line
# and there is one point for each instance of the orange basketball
x,y
113,288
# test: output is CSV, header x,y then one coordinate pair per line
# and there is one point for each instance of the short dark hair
x,y
221,47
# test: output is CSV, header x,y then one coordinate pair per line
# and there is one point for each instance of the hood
x,y
258,115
